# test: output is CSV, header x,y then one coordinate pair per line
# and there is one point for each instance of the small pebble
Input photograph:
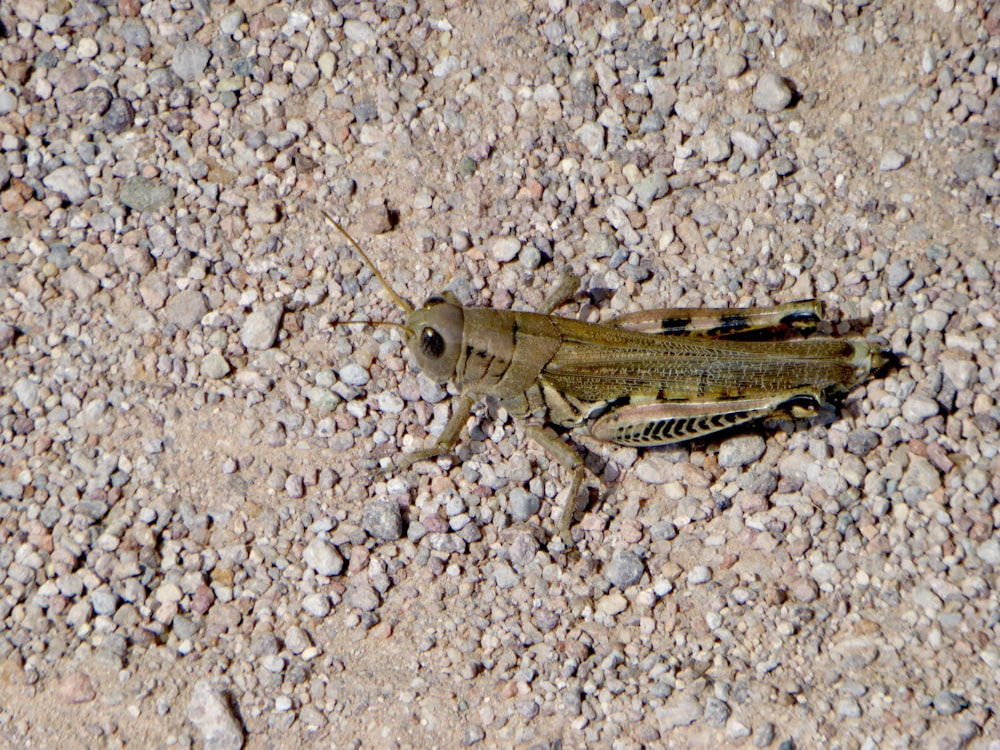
x,y
69,181
753,148
323,558
948,703
523,504
612,604
772,93
146,196
209,711
505,249
76,687
699,574
186,309
679,711
891,161
742,450
359,31
625,569
190,60
260,329
214,366
917,408
317,605
383,520
353,374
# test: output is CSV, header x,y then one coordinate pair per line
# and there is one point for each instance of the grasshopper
x,y
643,379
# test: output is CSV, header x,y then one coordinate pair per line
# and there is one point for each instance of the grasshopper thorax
x,y
436,341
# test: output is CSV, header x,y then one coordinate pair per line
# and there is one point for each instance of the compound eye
x,y
431,343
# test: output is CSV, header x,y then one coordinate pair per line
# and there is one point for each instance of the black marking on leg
x,y
730,323
674,326
800,319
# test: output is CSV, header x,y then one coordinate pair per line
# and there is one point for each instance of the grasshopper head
x,y
437,338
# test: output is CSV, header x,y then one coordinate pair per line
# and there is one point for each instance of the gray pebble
x,y
78,281
523,504
854,44
104,601
186,309
731,65
147,196
362,596
231,22
919,479
359,31
353,374
260,329
891,161
184,627
860,442
961,372
948,703
7,335
717,712
317,605
297,640
716,147
190,60
764,735
679,711
8,102
11,225
989,551
918,408
523,548
11,489
472,735
980,163
530,257
699,574
898,273
97,100
976,481
26,391
651,188
119,117
70,181
383,520
210,713
214,366
754,148
505,576
772,93
741,450
295,486
135,32
323,558
625,569
642,53
505,249
323,399
390,402
783,166
663,531
847,707
591,136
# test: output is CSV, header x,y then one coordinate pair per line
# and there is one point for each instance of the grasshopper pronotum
x,y
644,379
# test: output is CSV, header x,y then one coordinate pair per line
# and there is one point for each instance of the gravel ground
x,y
192,552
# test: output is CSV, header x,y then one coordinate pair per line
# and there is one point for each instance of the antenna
x,y
392,292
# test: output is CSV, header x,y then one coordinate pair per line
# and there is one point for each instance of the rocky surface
x,y
192,550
